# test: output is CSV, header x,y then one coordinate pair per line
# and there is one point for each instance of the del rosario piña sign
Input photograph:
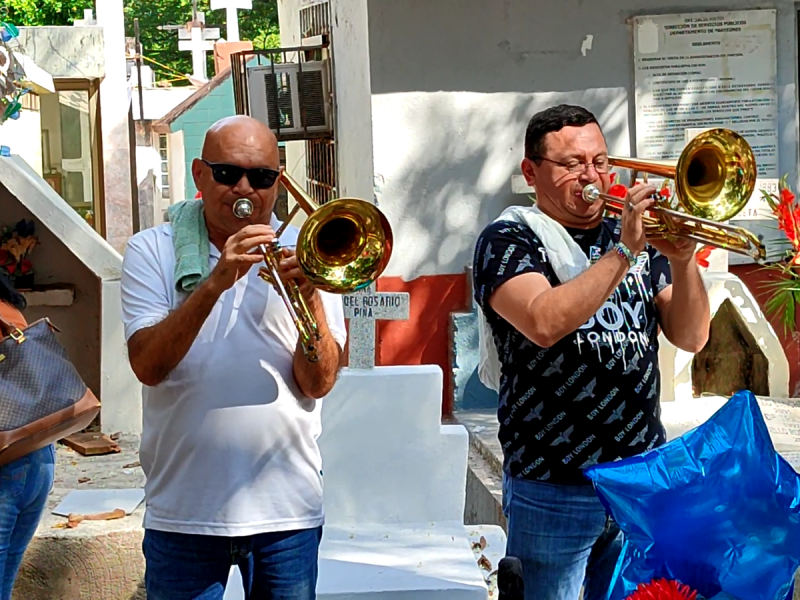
x,y
362,309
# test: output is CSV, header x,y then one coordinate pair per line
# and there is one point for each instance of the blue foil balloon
x,y
716,509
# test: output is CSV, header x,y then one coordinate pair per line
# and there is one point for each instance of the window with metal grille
x,y
315,20
320,153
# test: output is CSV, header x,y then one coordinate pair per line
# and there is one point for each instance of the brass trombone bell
x,y
715,177
343,246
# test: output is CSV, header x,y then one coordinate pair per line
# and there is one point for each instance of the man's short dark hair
x,y
551,120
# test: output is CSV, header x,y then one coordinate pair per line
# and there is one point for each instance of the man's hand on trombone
x,y
290,269
239,254
640,196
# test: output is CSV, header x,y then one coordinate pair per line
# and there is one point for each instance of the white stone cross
x,y
198,46
363,308
231,15
87,20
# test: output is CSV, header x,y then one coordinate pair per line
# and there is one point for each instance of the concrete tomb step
x,y
429,561
395,485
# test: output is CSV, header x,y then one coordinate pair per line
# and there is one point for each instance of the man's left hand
x,y
289,269
680,251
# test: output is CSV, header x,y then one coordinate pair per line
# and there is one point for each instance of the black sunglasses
x,y
259,178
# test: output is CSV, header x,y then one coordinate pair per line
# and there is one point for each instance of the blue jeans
x,y
563,538
24,487
274,566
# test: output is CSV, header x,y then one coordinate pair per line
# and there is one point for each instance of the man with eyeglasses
x,y
231,410
574,310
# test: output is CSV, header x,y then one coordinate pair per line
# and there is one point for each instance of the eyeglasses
x,y
260,178
578,167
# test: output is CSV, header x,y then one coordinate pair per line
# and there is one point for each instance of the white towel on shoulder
x,y
567,259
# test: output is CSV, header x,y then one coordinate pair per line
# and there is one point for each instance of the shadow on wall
x,y
447,163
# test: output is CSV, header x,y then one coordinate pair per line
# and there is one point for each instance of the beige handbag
x,y
42,396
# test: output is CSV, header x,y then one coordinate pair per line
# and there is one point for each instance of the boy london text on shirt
x,y
229,443
594,395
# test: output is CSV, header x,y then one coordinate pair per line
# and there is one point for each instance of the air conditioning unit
x,y
293,99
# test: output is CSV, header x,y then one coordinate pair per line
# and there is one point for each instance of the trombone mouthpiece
x,y
590,194
242,208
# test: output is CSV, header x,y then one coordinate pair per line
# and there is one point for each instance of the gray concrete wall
x,y
65,51
454,83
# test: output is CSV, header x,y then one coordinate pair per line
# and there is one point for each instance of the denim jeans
x,y
563,538
274,566
24,486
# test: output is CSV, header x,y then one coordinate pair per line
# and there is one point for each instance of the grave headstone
x,y
87,20
363,309
231,15
198,45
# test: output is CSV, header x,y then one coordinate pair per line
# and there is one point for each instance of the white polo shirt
x,y
229,443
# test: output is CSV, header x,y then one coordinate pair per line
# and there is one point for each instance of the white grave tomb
x,y
395,480
231,15
87,308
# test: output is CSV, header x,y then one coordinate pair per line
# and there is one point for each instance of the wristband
x,y
625,253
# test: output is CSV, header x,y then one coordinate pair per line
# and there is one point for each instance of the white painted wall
x,y
24,137
177,169
454,83
71,252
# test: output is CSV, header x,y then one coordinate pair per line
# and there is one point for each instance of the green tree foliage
x,y
160,46
43,12
259,25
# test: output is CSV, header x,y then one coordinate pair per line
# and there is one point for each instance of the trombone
x,y
343,246
715,177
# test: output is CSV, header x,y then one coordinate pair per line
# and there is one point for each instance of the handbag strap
x,y
6,326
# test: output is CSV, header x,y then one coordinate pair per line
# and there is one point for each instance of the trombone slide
x,y
677,224
289,292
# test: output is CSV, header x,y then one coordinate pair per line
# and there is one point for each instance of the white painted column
x,y
353,89
114,105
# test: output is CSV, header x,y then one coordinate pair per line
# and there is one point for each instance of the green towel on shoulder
x,y
190,237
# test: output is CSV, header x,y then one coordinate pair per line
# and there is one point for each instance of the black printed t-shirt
x,y
593,396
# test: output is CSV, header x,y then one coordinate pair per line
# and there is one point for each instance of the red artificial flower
x,y
663,589
788,212
25,266
702,255
613,178
11,268
665,193
618,190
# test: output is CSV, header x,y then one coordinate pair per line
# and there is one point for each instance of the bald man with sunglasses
x,y
231,407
